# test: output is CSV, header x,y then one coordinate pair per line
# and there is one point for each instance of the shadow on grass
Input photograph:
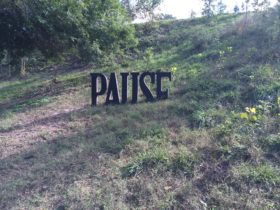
x,y
28,101
51,167
17,84
65,116
41,95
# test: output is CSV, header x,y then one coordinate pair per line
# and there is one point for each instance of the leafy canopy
x,y
92,27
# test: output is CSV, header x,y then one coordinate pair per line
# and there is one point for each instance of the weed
x,y
183,162
260,174
145,161
271,142
154,130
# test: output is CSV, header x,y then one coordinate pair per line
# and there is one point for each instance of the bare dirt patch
x,y
43,124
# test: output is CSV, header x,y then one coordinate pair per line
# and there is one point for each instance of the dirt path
x,y
42,124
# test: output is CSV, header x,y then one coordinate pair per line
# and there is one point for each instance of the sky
x,y
182,8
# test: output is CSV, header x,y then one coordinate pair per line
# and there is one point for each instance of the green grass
x,y
192,151
146,161
261,174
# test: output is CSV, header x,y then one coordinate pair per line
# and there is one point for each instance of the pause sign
x,y
111,89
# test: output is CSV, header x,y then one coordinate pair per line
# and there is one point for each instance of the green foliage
x,y
209,8
147,6
153,130
260,174
221,7
183,162
113,142
146,161
226,128
236,9
165,17
260,5
272,143
33,103
149,56
261,86
93,28
250,114
159,160
207,119
141,8
185,109
233,161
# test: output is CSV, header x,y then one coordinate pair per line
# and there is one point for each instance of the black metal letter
x,y
114,90
124,87
134,87
162,94
146,91
94,86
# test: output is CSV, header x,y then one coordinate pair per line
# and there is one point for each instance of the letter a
x,y
113,90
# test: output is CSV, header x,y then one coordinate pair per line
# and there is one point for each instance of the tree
x,y
192,14
221,7
209,8
147,7
165,17
141,8
236,9
242,7
260,5
277,9
107,29
255,4
91,27
246,7
130,7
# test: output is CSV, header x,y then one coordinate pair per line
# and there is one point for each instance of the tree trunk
x,y
9,63
23,66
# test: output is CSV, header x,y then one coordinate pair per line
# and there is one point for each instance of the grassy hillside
x,y
214,144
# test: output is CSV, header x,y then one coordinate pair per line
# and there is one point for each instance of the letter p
x,y
94,87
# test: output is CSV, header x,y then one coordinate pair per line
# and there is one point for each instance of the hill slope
x,y
199,149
